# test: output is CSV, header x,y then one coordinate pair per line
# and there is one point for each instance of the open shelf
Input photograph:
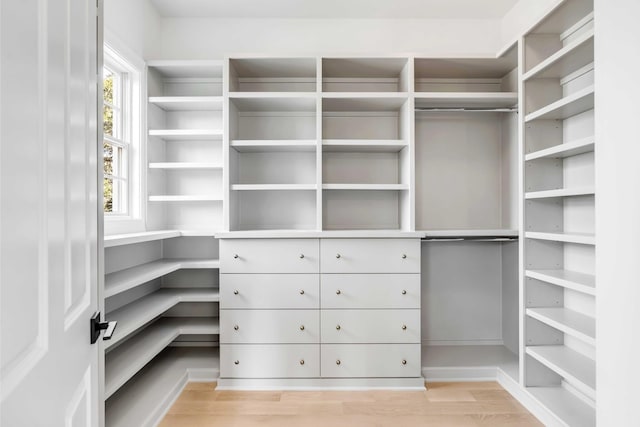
x,y
120,281
585,283
187,134
568,321
364,145
187,68
471,233
565,150
459,362
348,101
563,192
259,146
144,399
452,100
575,55
569,106
131,238
185,165
565,405
272,75
569,364
578,238
123,362
269,187
372,187
184,198
134,315
187,103
365,75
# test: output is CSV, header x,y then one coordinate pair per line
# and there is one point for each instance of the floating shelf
x,y
147,236
466,99
185,165
274,145
585,283
562,151
365,187
583,239
187,103
187,134
120,281
575,55
569,106
144,399
123,362
134,315
271,187
569,364
195,198
565,405
187,68
568,321
564,192
364,145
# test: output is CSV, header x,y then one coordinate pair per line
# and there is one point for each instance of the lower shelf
x,y
564,405
144,400
467,362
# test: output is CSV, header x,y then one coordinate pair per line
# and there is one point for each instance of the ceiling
x,y
320,9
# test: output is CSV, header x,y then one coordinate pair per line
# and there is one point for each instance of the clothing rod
x,y
470,239
466,110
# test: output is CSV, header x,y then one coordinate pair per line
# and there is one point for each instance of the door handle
x,y
96,326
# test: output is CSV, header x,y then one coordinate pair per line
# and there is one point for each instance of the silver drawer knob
x,y
236,292
338,256
302,361
404,256
404,292
236,327
237,362
338,292
338,327
404,362
404,327
302,327
236,256
338,362
301,256
301,291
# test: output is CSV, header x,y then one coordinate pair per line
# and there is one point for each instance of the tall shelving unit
x,y
559,213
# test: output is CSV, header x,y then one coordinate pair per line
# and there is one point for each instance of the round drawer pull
x,y
338,292
236,292
236,256
301,256
338,327
302,327
404,327
302,361
404,362
404,256
338,362
301,291
404,292
338,256
236,327
237,362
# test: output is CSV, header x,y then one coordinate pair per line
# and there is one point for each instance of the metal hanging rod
x,y
471,239
466,110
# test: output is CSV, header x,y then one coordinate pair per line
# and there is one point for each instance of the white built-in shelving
x,y
569,106
562,192
561,151
577,238
568,321
569,364
581,282
187,103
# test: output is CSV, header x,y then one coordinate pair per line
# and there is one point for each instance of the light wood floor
x,y
444,404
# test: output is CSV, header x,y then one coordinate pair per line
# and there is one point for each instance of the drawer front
x,y
370,326
269,256
370,255
370,361
269,326
262,291
270,361
370,291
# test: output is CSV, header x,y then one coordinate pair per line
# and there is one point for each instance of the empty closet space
x,y
184,150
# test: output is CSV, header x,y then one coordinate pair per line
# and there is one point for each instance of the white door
x,y
48,213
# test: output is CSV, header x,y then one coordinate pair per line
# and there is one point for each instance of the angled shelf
x,y
563,192
569,106
269,187
186,134
364,145
143,401
575,55
572,410
568,321
131,238
578,238
187,103
565,150
136,314
266,146
123,362
454,100
185,198
585,283
185,165
569,364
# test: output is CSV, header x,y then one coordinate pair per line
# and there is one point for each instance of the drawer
x,y
270,361
370,291
370,326
262,291
370,255
370,360
269,326
269,256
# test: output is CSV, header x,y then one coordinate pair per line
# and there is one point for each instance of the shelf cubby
x,y
365,75
274,145
572,410
187,103
272,75
565,320
580,282
564,150
569,364
566,107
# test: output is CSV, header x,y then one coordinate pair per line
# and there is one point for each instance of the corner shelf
x,y
247,146
131,238
185,165
123,362
372,187
572,105
466,99
186,134
585,283
364,145
565,405
564,192
568,321
562,151
578,238
569,364
572,57
178,68
136,314
187,103
184,198
271,187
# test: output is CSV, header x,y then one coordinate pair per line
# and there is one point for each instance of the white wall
x,y
214,38
618,210
133,23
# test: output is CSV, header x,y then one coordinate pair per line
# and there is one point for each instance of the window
x,y
123,121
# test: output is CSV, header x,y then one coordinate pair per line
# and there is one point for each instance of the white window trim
x,y
134,221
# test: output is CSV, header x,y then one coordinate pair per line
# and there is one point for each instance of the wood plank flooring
x,y
472,404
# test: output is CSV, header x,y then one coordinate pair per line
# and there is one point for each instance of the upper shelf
x,y
186,134
187,68
466,99
371,187
349,101
273,101
364,145
187,103
561,151
566,107
365,74
131,238
575,55
267,145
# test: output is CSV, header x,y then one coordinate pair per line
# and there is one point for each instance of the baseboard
x,y
303,384
450,374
